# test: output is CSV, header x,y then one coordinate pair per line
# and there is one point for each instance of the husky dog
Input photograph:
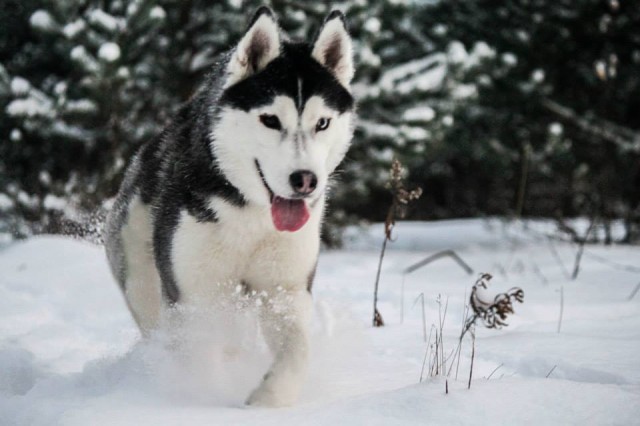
x,y
232,192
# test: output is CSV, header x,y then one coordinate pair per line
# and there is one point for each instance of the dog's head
x,y
286,114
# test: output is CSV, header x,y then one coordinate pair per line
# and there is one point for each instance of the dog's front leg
x,y
285,324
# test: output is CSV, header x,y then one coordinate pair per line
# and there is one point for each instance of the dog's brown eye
x,y
322,124
271,121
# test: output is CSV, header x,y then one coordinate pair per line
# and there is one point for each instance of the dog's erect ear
x,y
332,48
259,46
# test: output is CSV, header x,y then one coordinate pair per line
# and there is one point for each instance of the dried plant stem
x,y
424,318
377,318
550,371
439,255
426,354
433,367
473,355
633,293
496,369
576,264
561,307
464,319
581,243
613,264
401,197
444,361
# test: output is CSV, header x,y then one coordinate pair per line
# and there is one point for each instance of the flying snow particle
x,y
109,52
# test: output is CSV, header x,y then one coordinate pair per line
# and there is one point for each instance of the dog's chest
x,y
242,248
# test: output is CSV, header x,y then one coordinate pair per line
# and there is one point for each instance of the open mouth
x,y
287,214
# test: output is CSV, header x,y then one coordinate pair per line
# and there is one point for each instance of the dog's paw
x,y
266,396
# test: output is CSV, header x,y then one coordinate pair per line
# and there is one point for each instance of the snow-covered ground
x,y
70,354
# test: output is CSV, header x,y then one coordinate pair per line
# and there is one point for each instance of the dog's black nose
x,y
303,182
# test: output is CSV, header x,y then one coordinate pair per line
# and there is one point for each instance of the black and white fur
x,y
192,219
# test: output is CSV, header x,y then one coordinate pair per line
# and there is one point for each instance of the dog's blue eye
x,y
271,121
322,124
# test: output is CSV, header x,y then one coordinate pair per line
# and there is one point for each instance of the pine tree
x,y
558,96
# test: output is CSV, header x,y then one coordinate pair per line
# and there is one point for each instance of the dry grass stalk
x,y
633,293
424,318
401,197
473,354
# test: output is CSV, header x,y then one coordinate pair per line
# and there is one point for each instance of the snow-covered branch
x,y
625,138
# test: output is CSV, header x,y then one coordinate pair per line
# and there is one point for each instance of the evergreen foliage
x,y
520,107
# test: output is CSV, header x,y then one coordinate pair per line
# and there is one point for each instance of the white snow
x,y
44,177
68,351
19,86
421,113
53,202
158,13
555,129
372,25
367,57
15,135
29,107
463,91
5,202
456,52
414,133
377,129
421,74
42,20
74,28
109,52
104,20
509,59
82,106
80,54
538,75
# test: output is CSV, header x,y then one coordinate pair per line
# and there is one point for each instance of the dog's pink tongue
x,y
288,215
